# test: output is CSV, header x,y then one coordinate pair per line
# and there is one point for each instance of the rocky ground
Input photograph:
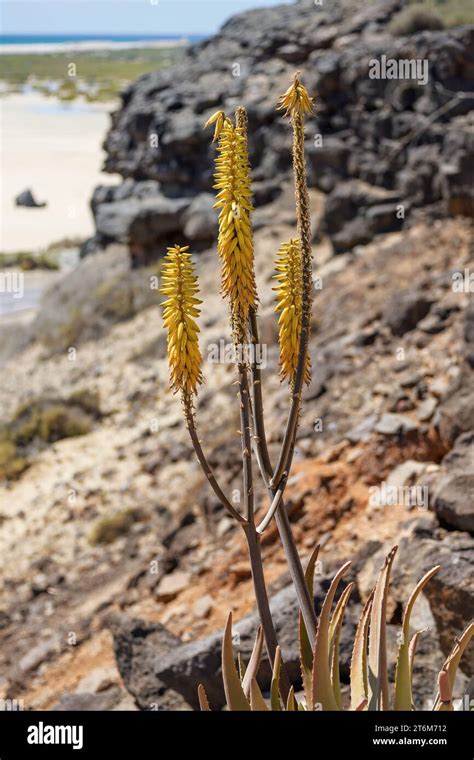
x,y
118,526
118,565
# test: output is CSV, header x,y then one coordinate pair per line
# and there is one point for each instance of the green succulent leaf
x,y
403,674
254,663
291,703
359,676
234,692
412,648
275,687
377,660
334,636
323,694
257,702
443,701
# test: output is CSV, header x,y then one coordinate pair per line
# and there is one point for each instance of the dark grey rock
x,y
136,645
27,199
365,122
200,219
404,310
454,501
394,424
456,412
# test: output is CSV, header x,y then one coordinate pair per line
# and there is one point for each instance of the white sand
x,y
55,150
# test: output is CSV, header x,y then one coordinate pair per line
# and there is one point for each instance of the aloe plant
x,y
369,685
319,639
235,247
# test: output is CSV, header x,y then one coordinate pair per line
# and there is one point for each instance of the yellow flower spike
x,y
289,304
296,99
180,287
235,242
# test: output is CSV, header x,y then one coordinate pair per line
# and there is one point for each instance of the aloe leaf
x,y
275,687
306,650
234,692
359,678
334,636
291,703
446,683
377,660
403,673
323,694
203,701
257,702
412,648
254,662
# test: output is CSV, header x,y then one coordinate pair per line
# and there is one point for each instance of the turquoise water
x,y
41,39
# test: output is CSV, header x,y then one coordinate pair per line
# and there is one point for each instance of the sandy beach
x,y
55,150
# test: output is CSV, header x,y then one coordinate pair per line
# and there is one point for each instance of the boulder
x,y
136,644
456,411
453,500
404,310
27,199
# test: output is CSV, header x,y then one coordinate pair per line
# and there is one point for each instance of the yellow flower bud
x,y
180,287
289,304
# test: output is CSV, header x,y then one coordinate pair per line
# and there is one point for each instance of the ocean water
x,y
48,39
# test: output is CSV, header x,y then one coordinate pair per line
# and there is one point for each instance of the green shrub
x,y
11,465
109,528
415,18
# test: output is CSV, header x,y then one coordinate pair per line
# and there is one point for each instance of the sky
x,y
121,16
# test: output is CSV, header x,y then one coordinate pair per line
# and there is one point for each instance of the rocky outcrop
x,y
380,147
454,498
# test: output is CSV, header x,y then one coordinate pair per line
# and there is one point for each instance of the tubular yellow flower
x,y
289,304
235,243
180,287
296,100
218,118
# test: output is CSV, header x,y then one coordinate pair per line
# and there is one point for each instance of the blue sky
x,y
121,16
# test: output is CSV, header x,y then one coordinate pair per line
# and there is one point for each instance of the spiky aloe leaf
x,y
334,636
257,702
254,663
275,687
377,660
203,701
412,648
291,703
306,650
323,693
444,697
234,693
359,678
403,673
